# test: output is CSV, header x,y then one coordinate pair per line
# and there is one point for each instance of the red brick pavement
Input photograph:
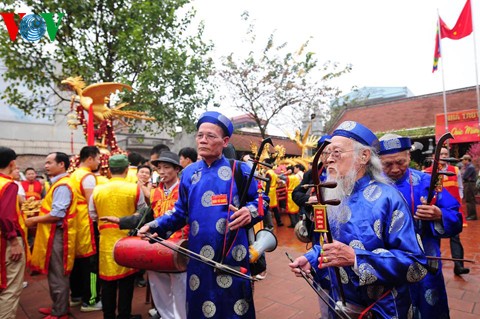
x,y
281,295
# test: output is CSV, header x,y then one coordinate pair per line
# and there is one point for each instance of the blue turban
x,y
218,119
358,132
322,139
394,145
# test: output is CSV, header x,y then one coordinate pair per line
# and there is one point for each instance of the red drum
x,y
134,252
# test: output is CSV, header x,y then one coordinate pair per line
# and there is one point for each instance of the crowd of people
x,y
382,262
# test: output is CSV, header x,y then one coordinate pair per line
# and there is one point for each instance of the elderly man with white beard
x,y
375,246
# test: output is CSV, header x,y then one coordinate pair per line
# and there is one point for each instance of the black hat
x,y
168,157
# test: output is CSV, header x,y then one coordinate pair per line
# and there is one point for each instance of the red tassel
x,y
90,132
260,200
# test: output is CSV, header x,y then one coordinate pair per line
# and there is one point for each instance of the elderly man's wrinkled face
x,y
210,141
395,165
340,157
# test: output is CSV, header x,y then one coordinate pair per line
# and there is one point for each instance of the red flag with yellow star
x,y
463,27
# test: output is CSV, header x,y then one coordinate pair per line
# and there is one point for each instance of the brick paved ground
x,y
281,295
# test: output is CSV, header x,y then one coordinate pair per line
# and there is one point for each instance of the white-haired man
x,y
375,245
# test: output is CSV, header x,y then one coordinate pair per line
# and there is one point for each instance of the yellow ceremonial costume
x,y
132,174
161,203
292,181
272,192
116,198
42,247
101,179
85,243
24,233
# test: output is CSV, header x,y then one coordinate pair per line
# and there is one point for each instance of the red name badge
x,y
218,200
320,218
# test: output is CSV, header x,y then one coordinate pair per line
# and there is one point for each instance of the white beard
x,y
344,187
341,192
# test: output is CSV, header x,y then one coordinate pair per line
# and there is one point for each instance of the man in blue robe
x,y
432,222
208,202
375,245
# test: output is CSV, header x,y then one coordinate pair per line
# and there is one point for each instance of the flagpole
x,y
443,72
476,66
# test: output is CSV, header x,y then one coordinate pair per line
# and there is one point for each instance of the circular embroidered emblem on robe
x,y
220,225
368,275
196,177
431,296
416,272
398,219
343,275
207,198
224,281
380,251
356,244
207,252
372,193
378,228
239,252
374,291
194,282
240,307
194,228
225,173
347,126
420,243
209,309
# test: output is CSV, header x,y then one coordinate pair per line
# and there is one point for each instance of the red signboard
x,y
320,218
463,125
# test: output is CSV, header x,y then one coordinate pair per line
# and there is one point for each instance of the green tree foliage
x,y
277,84
147,44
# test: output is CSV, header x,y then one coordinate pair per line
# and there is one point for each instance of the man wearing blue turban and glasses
x,y
209,202
375,246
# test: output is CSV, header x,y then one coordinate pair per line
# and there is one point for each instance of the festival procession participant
x,y
118,198
144,175
454,185
271,191
292,181
208,202
56,232
188,155
155,154
23,229
299,170
469,177
168,289
135,159
375,244
432,222
12,254
84,282
33,187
